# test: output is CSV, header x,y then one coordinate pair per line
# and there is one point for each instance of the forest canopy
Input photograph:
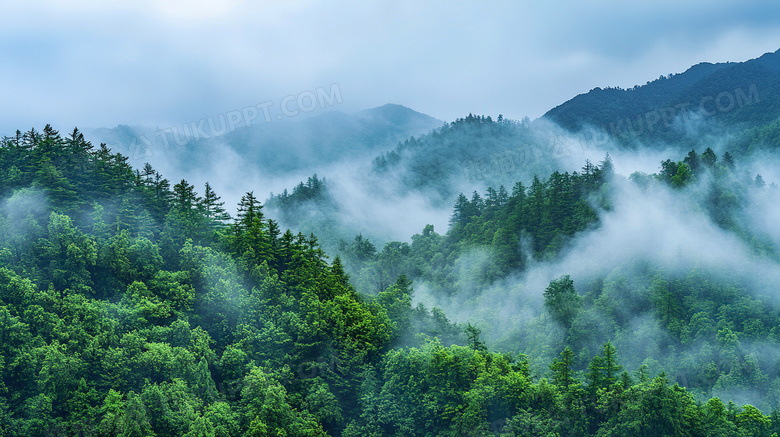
x,y
134,306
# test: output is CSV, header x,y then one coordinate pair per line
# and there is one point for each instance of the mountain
x,y
708,97
130,307
472,153
327,138
275,147
579,302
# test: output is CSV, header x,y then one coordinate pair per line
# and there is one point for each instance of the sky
x,y
91,64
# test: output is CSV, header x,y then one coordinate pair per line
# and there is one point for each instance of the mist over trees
x,y
673,311
134,306
557,295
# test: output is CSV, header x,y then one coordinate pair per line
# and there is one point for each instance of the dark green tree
x,y
562,301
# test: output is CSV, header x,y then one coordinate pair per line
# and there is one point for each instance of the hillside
x,y
705,98
130,307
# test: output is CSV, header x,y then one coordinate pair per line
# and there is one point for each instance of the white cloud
x,y
92,64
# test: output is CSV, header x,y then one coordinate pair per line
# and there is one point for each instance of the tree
x,y
606,169
250,238
728,160
595,374
611,367
72,255
125,217
112,412
185,197
147,173
212,207
563,369
502,196
203,383
668,170
562,301
693,161
362,249
59,188
752,422
201,427
472,335
709,158
683,176
135,422
225,421
462,209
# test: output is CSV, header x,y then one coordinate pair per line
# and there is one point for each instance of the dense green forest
x,y
470,151
678,109
712,329
130,306
474,149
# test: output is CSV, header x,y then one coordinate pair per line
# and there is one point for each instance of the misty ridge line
x,y
708,106
292,105
558,146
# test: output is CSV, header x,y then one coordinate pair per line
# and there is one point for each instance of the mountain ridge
x,y
747,91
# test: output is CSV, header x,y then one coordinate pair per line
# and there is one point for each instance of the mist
x,y
651,233
421,219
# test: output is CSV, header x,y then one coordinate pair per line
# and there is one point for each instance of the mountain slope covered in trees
x,y
132,307
708,317
675,109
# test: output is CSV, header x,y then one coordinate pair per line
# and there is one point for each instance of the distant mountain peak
x,y
395,112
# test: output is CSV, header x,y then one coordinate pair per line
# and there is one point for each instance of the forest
x,y
711,325
134,306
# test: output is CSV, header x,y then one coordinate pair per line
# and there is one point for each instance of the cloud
x,y
95,64
657,229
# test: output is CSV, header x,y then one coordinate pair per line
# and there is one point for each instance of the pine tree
x,y
212,207
693,161
562,369
249,229
728,160
135,422
147,175
204,385
606,169
185,197
709,158
611,366
502,197
461,210
125,217
249,212
474,342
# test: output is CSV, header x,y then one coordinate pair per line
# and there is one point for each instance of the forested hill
x,y
474,150
709,318
130,307
745,94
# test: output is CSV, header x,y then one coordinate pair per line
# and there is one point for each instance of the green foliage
x,y
562,301
132,308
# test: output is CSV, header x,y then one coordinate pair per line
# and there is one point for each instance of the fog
x,y
516,58
649,230
390,171
479,204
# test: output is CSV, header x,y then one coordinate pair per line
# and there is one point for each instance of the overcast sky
x,y
154,62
